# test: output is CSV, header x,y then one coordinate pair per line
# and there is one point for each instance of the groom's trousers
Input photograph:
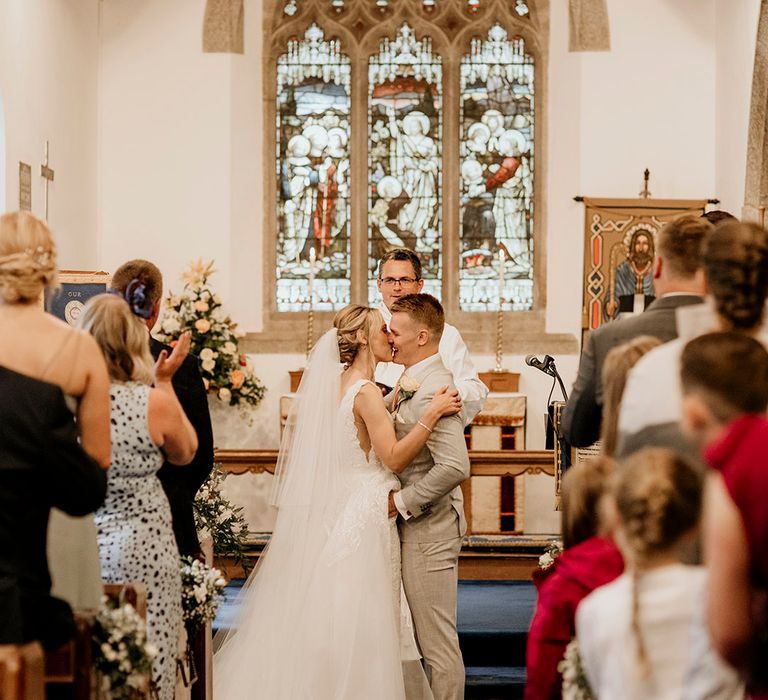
x,y
430,579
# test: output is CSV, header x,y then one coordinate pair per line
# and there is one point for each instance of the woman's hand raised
x,y
167,365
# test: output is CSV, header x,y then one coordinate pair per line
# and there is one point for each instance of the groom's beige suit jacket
x,y
431,483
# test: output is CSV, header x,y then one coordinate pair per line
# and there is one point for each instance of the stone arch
x,y
756,185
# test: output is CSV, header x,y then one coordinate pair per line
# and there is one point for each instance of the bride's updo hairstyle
x,y
353,327
27,258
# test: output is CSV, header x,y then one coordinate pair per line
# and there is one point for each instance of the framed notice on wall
x,y
75,288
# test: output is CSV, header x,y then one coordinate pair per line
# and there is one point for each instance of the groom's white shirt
x,y
455,357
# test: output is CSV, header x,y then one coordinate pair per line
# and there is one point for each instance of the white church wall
x,y
2,155
736,37
164,139
48,84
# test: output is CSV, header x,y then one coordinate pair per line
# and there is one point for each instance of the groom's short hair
x,y
424,309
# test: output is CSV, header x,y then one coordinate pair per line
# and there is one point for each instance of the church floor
x,y
494,617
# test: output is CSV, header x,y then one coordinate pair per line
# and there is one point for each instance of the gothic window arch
x,y
405,122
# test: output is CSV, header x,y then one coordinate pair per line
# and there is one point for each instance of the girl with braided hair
x,y
644,635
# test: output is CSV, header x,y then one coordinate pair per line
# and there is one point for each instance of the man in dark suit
x,y
678,281
180,483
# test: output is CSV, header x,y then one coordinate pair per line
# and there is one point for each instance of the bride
x,y
320,617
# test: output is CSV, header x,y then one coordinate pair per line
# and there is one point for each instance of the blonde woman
x,y
40,346
135,532
644,635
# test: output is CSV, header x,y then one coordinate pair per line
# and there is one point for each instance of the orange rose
x,y
203,325
243,361
237,378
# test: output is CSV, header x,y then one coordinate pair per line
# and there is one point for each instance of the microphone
x,y
545,365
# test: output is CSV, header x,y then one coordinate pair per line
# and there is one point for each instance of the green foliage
x,y
215,515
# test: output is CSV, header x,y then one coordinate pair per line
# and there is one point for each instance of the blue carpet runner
x,y
494,617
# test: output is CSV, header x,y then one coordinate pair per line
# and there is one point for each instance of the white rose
x,y
216,299
225,394
229,348
171,325
408,384
209,365
207,354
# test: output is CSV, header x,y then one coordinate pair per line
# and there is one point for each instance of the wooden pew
x,y
21,672
69,669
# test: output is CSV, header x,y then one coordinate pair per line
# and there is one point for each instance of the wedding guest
x,y
678,281
643,635
180,485
589,560
41,465
40,346
736,272
135,533
725,396
399,275
616,367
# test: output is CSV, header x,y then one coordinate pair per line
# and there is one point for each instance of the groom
x,y
430,504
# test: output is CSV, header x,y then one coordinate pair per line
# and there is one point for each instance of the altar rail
x,y
508,463
482,463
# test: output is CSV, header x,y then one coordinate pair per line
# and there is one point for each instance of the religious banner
x,y
620,238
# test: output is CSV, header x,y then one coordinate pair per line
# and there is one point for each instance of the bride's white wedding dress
x,y
321,617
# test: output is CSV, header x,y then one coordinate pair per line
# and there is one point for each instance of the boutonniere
x,y
408,387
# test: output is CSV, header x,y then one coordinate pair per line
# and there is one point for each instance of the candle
x,y
312,257
501,277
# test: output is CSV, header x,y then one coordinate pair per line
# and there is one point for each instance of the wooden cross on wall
x,y
47,173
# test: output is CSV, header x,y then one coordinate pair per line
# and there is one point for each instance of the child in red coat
x,y
724,379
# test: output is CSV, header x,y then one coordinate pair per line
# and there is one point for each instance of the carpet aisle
x,y
494,617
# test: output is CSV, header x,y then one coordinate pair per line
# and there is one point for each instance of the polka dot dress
x,y
135,536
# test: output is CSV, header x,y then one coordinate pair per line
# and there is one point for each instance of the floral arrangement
x,y
122,655
553,551
214,338
575,683
202,588
217,516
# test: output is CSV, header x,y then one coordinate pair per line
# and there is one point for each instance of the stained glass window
x,y
313,119
496,174
405,154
